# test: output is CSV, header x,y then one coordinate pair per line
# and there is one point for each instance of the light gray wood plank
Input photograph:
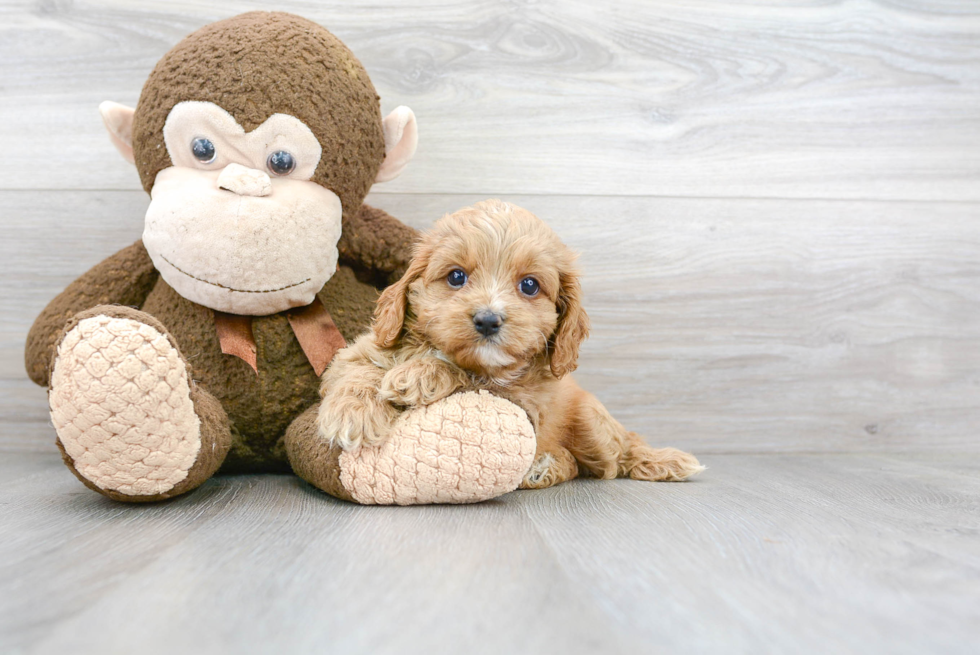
x,y
248,562
761,554
779,554
718,326
683,98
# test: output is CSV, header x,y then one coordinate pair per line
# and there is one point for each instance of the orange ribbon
x,y
315,330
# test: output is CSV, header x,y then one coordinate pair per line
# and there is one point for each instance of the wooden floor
x,y
765,553
777,207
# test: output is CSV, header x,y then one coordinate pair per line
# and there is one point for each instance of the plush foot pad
x,y
120,403
466,448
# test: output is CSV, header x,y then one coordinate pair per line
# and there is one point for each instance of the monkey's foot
x,y
465,448
124,409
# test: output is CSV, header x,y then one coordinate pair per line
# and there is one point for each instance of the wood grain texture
x,y
762,554
718,326
808,99
781,554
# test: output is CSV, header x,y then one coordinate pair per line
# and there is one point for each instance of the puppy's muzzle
x,y
487,323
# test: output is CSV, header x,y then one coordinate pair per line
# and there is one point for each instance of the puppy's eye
x,y
203,150
456,278
529,286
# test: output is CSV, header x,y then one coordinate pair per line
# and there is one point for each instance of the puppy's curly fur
x,y
490,301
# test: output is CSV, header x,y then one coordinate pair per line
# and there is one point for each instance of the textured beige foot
x,y
465,448
120,403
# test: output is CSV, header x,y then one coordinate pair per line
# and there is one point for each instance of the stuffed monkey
x,y
198,348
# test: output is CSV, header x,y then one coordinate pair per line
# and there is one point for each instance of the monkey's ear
x,y
118,121
401,139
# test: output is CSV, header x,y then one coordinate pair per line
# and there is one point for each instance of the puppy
x,y
490,301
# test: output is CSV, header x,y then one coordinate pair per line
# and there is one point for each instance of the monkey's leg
x,y
312,457
462,449
131,422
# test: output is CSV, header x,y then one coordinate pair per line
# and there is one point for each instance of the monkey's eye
x,y
529,286
203,150
281,162
456,278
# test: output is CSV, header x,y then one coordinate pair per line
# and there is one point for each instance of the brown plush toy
x,y
199,347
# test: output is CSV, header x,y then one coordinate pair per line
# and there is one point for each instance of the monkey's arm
x,y
124,278
375,240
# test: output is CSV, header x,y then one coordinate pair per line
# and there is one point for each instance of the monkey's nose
x,y
244,181
487,323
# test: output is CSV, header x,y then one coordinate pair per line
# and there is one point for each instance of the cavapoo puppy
x,y
490,301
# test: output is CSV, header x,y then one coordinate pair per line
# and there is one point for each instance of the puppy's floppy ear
x,y
389,314
572,328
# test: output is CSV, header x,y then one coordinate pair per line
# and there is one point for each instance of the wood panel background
x,y
804,99
777,206
718,325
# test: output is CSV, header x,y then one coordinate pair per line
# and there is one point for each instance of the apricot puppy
x,y
490,301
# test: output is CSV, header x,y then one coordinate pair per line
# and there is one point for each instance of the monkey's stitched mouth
x,y
223,286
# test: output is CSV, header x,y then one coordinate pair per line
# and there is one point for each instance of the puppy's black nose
x,y
487,323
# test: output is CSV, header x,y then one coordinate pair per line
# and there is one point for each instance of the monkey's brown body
x,y
253,409
260,406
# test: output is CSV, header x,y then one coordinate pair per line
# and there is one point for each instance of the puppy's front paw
x,y
662,464
417,383
351,420
550,469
